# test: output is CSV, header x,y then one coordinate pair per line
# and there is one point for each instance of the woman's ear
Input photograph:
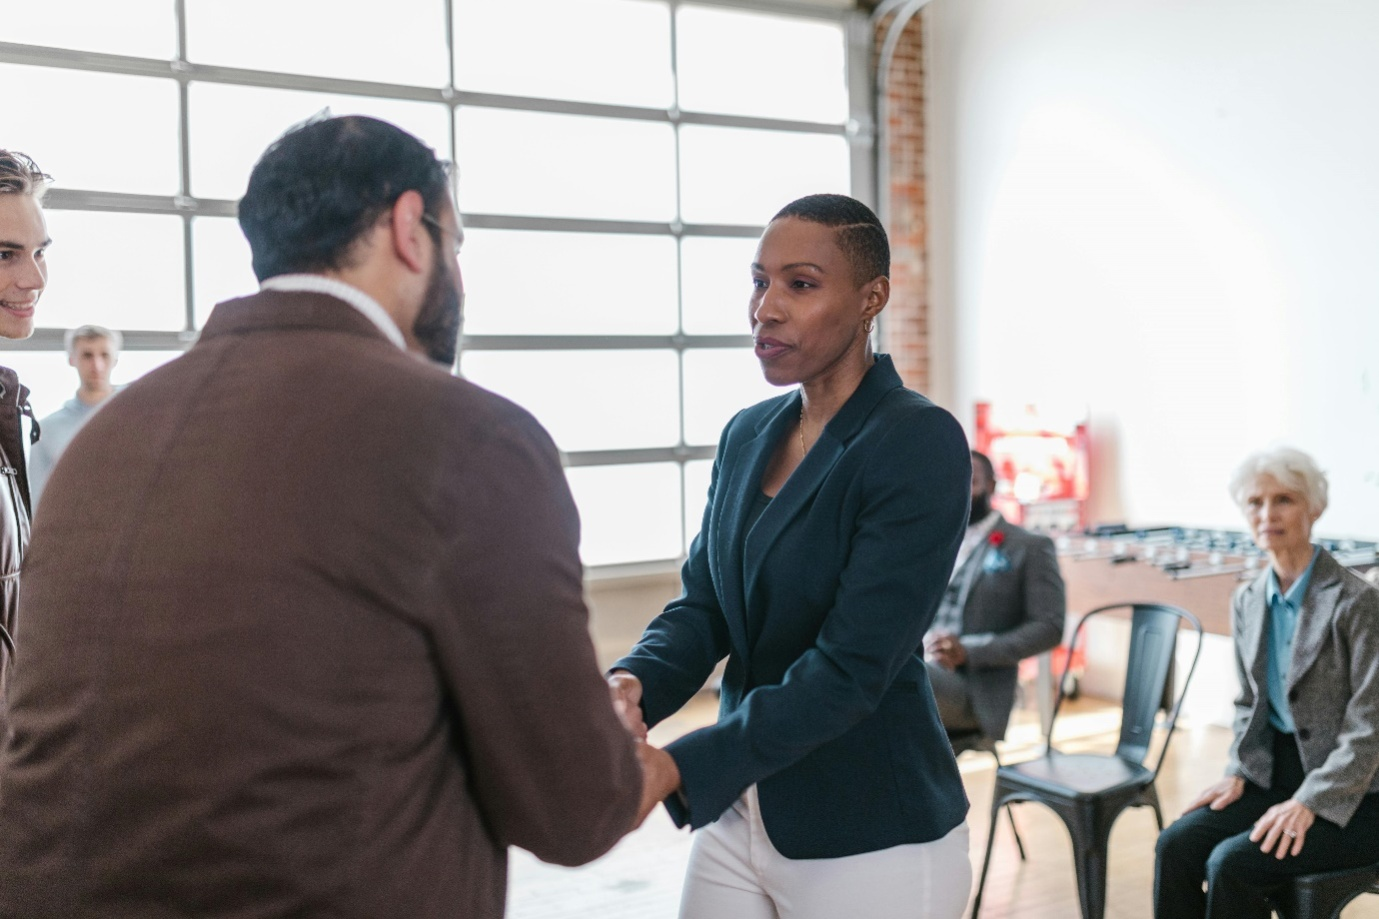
x,y
878,295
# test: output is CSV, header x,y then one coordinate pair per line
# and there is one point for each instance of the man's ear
x,y
406,230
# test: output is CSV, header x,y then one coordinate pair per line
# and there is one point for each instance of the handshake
x,y
660,775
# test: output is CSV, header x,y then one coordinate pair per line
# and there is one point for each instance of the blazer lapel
x,y
1253,646
974,568
743,478
1314,621
805,481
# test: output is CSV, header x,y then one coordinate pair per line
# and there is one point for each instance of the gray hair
x,y
86,332
1290,467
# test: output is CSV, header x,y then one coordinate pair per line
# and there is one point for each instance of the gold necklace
x,y
803,449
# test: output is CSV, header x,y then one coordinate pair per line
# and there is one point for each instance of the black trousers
x,y
1214,846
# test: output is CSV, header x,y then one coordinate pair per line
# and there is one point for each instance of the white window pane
x,y
139,28
743,176
627,513
698,475
621,55
720,382
404,44
533,283
717,284
232,125
222,267
741,63
52,381
97,131
134,364
535,164
588,400
123,271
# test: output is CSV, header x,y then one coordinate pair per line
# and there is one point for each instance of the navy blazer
x,y
819,609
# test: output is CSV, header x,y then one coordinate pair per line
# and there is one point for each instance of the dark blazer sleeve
x,y
1042,597
915,488
679,649
551,766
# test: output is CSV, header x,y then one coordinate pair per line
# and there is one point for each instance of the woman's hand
x,y
1285,826
627,702
1221,795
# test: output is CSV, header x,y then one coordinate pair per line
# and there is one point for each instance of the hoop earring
x,y
868,324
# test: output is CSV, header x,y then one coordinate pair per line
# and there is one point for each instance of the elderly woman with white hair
x,y
1299,794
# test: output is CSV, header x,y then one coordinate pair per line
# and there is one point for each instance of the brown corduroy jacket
x,y
303,635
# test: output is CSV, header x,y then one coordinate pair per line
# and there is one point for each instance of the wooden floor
x,y
641,877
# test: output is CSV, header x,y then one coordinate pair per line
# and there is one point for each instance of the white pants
x,y
735,873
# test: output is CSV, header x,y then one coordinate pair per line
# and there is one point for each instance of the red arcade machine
x,y
1041,465
1043,481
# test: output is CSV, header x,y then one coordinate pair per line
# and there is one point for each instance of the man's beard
x,y
438,324
981,506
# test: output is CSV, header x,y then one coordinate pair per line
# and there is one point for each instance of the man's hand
x,y
627,702
1285,826
945,649
660,779
1221,795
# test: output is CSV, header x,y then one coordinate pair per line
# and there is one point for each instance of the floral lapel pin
x,y
996,559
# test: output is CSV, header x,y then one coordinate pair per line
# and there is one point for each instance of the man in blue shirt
x,y
94,351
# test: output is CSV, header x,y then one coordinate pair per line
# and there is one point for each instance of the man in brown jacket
x,y
303,624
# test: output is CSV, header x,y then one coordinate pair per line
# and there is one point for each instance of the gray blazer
x,y
1013,611
1333,689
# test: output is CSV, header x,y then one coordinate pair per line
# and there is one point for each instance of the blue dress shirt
x,y
1284,609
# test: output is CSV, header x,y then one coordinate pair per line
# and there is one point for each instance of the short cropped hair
x,y
20,175
318,189
981,459
88,332
860,233
1290,467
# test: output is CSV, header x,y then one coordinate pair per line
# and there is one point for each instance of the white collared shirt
x,y
320,284
973,538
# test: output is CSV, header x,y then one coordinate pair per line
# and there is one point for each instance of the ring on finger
x,y
1290,834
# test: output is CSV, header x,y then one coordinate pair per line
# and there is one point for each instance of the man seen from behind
x,y
309,638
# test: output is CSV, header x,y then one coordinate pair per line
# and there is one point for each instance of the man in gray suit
x,y
1004,602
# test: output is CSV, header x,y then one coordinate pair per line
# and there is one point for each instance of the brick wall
x,y
905,323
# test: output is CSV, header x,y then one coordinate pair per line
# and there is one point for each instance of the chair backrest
x,y
1154,631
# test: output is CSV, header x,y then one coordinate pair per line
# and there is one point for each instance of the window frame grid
x,y
858,131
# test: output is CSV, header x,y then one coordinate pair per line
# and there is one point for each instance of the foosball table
x,y
1196,569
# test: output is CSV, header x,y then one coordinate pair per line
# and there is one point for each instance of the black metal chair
x,y
1089,791
1324,895
976,741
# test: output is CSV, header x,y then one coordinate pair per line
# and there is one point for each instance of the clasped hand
x,y
1281,831
660,774
945,649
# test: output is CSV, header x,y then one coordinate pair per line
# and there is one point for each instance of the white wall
x,y
1167,211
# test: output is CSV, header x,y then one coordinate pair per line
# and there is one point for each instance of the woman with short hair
x,y
1299,796
827,787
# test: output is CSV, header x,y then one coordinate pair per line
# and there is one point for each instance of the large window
x,y
617,160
